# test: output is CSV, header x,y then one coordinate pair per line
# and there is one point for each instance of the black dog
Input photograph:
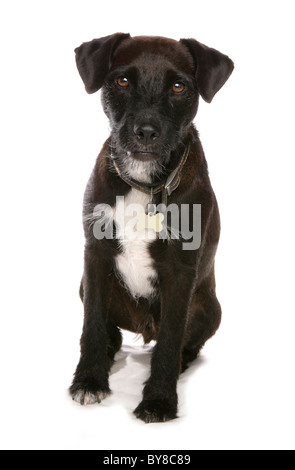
x,y
163,288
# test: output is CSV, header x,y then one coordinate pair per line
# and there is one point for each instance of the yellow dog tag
x,y
150,221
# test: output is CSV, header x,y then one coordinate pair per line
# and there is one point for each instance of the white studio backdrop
x,y
240,393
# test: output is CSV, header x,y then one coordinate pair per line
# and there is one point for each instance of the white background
x,y
240,394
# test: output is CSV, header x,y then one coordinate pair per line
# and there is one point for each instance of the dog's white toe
x,y
88,398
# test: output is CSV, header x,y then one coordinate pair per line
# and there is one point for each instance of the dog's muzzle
x,y
147,136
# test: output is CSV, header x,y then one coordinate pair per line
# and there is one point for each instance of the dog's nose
x,y
146,133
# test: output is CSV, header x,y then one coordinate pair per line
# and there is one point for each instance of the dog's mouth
x,y
143,156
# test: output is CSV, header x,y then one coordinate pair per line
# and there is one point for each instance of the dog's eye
x,y
178,87
123,82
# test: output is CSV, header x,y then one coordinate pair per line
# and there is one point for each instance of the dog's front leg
x,y
90,384
160,396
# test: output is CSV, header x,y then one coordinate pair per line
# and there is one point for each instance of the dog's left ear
x,y
212,68
94,59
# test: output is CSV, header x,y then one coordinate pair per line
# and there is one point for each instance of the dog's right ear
x,y
93,60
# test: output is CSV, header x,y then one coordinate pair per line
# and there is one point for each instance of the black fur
x,y
149,122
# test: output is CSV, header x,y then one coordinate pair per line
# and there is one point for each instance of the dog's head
x,y
150,89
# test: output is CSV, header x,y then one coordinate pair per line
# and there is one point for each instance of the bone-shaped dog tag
x,y
148,221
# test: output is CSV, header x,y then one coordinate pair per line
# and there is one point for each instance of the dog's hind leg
x,y
203,322
114,341
81,290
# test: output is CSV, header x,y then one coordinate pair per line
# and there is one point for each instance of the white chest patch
x,y
134,264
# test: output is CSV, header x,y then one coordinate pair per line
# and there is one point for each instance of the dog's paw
x,y
88,392
89,398
156,411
